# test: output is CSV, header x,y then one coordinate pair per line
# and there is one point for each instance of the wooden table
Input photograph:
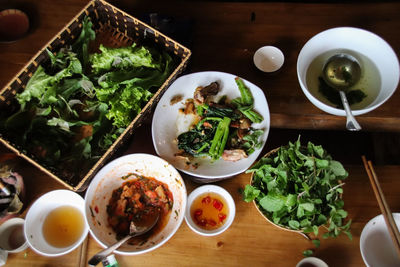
x,y
250,240
224,38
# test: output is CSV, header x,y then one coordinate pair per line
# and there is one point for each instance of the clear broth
x,y
369,83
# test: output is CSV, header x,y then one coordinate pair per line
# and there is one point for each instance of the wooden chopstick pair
x,y
387,214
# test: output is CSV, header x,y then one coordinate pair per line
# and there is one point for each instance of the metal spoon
x,y
133,231
342,71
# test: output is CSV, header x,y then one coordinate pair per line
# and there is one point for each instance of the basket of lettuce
x,y
299,188
85,92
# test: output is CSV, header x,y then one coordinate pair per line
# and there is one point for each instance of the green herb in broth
x,y
353,96
367,89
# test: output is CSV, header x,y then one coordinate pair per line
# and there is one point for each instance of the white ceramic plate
x,y
109,178
168,123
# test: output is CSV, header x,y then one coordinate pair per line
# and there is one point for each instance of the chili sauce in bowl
x,y
210,210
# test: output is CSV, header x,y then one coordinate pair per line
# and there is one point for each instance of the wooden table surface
x,y
224,38
250,240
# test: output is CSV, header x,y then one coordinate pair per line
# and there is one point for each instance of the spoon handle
x,y
104,253
351,122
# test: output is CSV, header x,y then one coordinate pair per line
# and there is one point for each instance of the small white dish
x,y
268,58
37,214
12,237
210,189
311,261
168,123
376,245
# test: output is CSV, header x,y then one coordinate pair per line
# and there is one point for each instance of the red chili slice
x,y
212,222
202,222
221,217
198,212
206,200
96,209
218,204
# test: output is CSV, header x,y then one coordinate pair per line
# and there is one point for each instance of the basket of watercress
x,y
299,188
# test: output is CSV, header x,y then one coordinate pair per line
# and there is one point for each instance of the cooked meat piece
x,y
234,155
189,108
241,124
207,124
242,133
182,155
245,123
175,99
160,192
201,93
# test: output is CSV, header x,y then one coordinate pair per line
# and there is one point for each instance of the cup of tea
x,y
12,237
55,223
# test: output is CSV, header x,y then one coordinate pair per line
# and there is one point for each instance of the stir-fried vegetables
x,y
224,128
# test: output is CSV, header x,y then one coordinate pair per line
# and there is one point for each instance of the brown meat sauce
x,y
136,200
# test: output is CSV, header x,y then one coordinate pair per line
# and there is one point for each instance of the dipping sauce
x,y
209,211
63,226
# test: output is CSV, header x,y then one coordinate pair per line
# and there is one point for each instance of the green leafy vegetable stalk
x,y
353,96
300,188
245,102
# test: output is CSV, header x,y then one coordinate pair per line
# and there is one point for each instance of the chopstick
x,y
387,214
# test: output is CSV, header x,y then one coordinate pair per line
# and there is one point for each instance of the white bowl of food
x,y
178,112
379,69
55,223
210,210
123,190
376,245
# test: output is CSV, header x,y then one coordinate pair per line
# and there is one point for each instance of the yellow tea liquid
x,y
63,226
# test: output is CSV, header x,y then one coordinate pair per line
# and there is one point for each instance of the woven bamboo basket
x,y
114,28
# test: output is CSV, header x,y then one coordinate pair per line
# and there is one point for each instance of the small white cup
x,y
268,58
311,261
12,237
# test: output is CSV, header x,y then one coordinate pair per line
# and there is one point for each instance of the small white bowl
x,y
210,189
311,261
110,177
376,245
37,214
12,237
362,42
268,58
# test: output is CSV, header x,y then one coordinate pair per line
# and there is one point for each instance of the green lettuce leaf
x,y
122,58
